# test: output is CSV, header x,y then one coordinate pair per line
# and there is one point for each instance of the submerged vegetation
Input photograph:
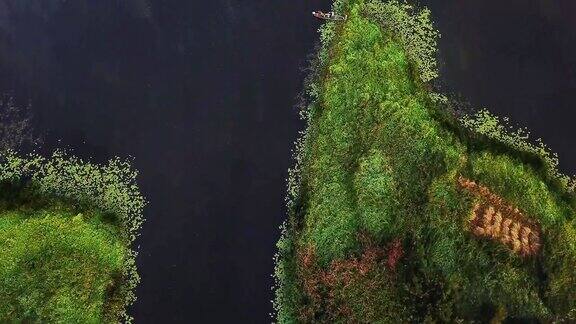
x,y
15,126
380,228
66,228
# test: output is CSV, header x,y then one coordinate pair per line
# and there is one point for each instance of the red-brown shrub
x,y
325,289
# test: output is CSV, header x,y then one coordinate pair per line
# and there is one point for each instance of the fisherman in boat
x,y
328,16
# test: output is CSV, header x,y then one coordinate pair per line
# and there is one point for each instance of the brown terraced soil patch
x,y
498,220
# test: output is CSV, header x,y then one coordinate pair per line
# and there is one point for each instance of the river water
x,y
201,95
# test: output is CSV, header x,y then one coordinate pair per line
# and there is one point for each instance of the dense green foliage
x,y
381,157
66,227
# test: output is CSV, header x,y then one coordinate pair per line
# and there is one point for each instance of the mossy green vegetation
x,y
380,158
66,229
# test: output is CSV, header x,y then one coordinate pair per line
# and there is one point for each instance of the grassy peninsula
x,y
403,209
66,229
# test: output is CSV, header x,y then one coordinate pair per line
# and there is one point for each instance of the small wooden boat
x,y
328,16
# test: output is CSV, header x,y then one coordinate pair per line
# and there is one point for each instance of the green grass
x,y
57,267
381,156
66,229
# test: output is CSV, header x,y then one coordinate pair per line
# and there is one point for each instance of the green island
x,y
66,230
402,208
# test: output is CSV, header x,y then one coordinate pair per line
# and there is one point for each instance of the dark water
x,y
200,93
517,58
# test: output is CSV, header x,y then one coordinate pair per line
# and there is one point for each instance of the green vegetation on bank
x,y
66,229
380,159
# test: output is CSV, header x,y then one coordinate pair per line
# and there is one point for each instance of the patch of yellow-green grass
x,y
58,267
66,230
